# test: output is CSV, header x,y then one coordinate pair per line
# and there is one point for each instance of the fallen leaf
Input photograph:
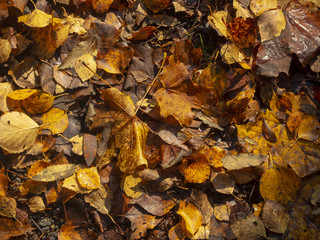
x,y
88,178
250,228
242,160
275,216
157,5
17,132
100,199
85,67
8,207
5,89
223,183
271,24
259,6
68,232
191,218
279,184
101,6
36,204
219,21
37,19
55,173
5,50
130,185
55,120
77,144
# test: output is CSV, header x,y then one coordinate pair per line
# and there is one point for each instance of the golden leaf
x,y
279,184
56,120
191,218
88,178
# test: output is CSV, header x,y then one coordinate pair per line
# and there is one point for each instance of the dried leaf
x,y
55,173
275,216
37,19
5,89
250,228
68,232
5,50
101,6
130,185
17,132
36,204
157,5
8,207
242,160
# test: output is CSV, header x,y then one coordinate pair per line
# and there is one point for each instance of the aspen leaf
x,y
17,132
5,50
176,232
191,218
21,94
275,216
88,178
224,183
8,207
55,173
279,184
56,120
221,213
195,169
309,128
242,160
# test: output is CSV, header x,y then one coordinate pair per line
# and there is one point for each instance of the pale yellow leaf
x,y
84,72
242,160
219,21
36,204
5,50
130,185
37,19
17,132
260,6
77,144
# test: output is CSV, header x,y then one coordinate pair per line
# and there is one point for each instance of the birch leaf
x,y
17,132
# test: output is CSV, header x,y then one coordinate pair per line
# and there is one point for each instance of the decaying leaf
x,y
36,204
250,228
17,132
67,231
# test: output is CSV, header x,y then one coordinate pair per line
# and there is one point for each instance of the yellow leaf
x,y
101,6
279,184
55,173
21,94
195,169
177,233
88,178
5,89
260,6
5,50
191,218
71,183
157,5
56,120
221,212
176,104
83,72
130,185
242,11
77,144
219,21
37,19
231,54
271,24
17,132
309,128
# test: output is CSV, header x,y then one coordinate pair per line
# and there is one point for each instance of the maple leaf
x,y
179,94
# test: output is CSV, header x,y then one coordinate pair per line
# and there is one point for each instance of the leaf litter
x,y
137,119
